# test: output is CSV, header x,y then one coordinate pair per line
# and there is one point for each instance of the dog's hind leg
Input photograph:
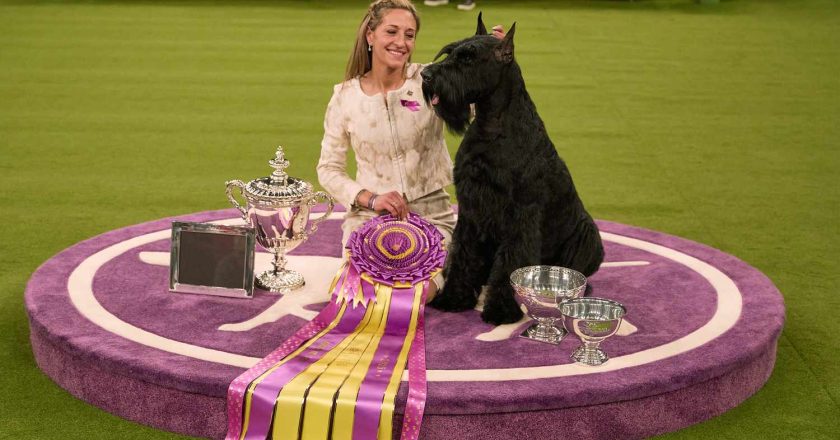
x,y
467,267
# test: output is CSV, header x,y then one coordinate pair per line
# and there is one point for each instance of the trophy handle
x,y
231,184
313,224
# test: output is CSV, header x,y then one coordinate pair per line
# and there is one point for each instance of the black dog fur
x,y
517,203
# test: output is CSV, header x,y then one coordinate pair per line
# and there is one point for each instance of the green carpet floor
x,y
718,123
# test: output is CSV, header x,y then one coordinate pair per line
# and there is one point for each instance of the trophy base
x,y
280,282
589,356
546,334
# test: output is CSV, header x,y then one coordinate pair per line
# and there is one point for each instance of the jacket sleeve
x,y
332,165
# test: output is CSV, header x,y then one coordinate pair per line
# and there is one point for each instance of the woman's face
x,y
393,40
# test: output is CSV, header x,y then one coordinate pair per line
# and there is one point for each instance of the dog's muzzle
x,y
426,74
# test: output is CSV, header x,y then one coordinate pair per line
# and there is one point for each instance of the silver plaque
x,y
212,259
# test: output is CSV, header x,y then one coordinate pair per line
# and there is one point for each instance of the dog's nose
x,y
426,74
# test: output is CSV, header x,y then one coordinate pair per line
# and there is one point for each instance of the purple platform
x,y
700,338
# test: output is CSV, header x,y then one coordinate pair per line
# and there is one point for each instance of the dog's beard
x,y
457,120
450,106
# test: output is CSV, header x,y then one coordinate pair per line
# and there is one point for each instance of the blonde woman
x,y
402,161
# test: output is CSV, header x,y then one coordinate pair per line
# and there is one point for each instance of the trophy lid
x,y
279,186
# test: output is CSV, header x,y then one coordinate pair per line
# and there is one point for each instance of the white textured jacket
x,y
398,142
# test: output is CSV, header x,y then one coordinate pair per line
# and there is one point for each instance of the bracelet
x,y
356,199
372,201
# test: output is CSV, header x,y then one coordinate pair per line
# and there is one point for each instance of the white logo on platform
x,y
310,294
729,303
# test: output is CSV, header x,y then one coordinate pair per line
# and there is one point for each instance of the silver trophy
x,y
541,289
278,209
593,320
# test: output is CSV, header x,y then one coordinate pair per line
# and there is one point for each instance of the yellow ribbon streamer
x,y
319,401
345,402
290,401
386,418
250,390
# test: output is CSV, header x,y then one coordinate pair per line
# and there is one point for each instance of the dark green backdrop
x,y
718,123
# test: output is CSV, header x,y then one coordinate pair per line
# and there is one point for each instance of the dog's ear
x,y
504,51
480,29
446,50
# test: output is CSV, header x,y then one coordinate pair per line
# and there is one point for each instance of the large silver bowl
x,y
541,289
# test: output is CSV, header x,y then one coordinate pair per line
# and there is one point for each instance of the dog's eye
x,y
466,54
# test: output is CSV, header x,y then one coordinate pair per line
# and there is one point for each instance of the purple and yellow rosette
x,y
341,383
389,252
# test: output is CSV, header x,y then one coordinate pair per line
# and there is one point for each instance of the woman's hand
x,y
392,202
498,31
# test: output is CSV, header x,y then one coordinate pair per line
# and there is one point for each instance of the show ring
x,y
699,338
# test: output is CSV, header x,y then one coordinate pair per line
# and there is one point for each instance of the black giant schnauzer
x,y
517,203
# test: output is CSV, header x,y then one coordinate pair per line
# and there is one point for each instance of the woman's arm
x,y
332,165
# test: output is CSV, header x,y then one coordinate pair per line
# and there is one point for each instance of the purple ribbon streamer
x,y
368,291
372,390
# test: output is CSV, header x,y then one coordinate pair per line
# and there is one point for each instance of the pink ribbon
x,y
415,405
351,284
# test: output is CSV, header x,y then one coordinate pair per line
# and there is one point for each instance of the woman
x,y
401,157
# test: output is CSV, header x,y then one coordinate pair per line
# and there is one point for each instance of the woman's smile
x,y
397,53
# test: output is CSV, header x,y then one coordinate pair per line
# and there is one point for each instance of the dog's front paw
x,y
451,299
500,309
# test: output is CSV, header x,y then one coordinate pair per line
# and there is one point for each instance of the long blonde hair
x,y
360,58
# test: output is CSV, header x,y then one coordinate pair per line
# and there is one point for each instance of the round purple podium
x,y
699,338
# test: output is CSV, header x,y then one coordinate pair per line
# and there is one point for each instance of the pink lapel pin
x,y
411,105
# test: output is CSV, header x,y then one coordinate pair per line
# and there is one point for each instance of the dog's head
x,y
472,69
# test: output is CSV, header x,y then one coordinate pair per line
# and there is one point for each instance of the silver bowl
x,y
541,289
593,320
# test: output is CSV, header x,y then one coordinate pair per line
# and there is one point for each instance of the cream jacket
x,y
398,142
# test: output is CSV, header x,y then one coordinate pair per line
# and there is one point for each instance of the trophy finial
x,y
279,163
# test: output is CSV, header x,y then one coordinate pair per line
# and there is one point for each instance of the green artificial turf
x,y
718,123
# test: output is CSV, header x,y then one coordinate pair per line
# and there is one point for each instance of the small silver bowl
x,y
593,320
541,289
